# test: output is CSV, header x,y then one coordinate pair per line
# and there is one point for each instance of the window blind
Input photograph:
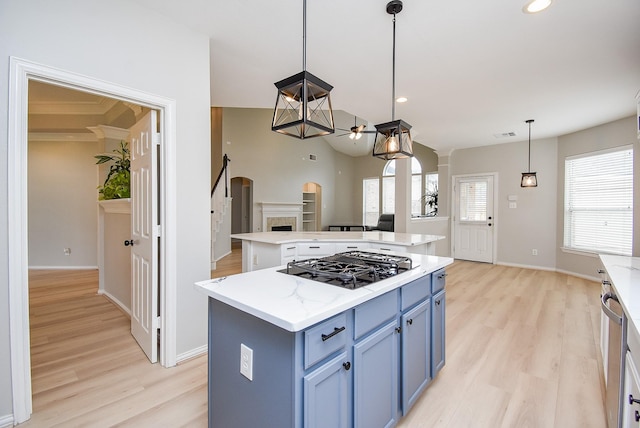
x,y
598,208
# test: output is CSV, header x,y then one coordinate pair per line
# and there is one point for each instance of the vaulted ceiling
x,y
471,69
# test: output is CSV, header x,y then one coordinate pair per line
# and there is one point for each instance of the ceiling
x,y
471,69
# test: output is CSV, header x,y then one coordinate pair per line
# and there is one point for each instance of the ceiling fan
x,y
356,131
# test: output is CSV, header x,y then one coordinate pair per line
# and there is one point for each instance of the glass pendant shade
x,y
529,179
393,140
303,107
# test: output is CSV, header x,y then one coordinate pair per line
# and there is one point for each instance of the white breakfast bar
x,y
285,351
267,249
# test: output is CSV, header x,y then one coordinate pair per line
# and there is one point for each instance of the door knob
x,y
128,242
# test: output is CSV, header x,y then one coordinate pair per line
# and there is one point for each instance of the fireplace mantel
x,y
282,213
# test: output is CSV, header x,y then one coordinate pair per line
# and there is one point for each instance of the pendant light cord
x,y
393,73
529,167
304,35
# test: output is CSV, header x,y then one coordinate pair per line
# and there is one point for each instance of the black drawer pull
x,y
600,270
314,248
410,321
442,275
605,282
346,365
291,248
437,302
637,416
398,329
633,400
335,331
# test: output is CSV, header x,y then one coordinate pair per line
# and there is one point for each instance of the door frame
x,y
21,71
494,252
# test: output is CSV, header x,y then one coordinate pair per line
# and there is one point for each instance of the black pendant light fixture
x,y
393,139
529,178
303,107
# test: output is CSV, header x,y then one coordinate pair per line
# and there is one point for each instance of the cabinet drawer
x,y
373,313
351,246
325,338
288,250
389,247
414,292
438,280
316,249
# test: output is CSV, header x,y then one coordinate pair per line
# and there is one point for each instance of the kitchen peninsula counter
x,y
267,249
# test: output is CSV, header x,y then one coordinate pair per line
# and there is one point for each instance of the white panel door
x,y
144,235
473,218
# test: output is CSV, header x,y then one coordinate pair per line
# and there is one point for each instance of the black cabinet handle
x,y
600,270
442,275
128,242
633,400
398,329
346,365
314,248
637,416
605,282
437,302
335,331
410,321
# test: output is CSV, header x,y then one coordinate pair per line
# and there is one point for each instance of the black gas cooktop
x,y
351,269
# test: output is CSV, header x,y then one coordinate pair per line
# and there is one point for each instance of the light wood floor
x,y
521,352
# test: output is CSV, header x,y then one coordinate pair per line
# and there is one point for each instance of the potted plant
x,y
117,183
431,201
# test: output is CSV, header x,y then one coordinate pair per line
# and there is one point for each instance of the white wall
x,y
279,165
121,42
533,223
62,180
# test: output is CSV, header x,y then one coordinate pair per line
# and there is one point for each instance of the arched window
x,y
379,192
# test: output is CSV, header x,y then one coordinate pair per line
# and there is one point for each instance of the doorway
x,y
311,207
22,72
473,219
241,205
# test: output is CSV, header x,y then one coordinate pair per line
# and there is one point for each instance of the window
x,y
380,192
598,202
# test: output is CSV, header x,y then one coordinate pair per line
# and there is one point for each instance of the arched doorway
x,y
241,205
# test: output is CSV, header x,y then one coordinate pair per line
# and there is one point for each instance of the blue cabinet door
x,y
416,353
438,332
327,399
375,382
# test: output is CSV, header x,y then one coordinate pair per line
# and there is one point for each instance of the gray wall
x,y
614,134
153,55
279,165
533,223
62,179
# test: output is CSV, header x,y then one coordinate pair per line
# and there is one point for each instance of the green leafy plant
x,y
117,183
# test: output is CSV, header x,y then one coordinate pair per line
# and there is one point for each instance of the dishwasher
x,y
616,352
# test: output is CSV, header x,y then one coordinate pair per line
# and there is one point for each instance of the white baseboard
x,y
63,267
6,421
566,272
115,302
196,352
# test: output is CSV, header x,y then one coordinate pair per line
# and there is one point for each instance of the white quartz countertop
x,y
295,303
624,273
406,239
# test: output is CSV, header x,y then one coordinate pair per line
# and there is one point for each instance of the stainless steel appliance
x,y
617,349
351,269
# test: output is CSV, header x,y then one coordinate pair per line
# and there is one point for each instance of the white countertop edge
x,y
230,290
624,275
278,238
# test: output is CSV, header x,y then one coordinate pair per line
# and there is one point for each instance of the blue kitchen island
x,y
286,351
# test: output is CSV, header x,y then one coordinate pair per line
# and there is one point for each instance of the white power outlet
x,y
534,252
246,361
67,251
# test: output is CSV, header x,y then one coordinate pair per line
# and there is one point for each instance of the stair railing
x,y
225,162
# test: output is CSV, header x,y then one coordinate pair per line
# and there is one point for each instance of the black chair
x,y
385,223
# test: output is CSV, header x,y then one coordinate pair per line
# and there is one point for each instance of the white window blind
x,y
598,206
473,201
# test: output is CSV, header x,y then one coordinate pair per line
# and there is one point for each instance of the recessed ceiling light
x,y
401,99
535,6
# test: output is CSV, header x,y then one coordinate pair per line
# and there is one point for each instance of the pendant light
x,y
393,139
529,178
303,107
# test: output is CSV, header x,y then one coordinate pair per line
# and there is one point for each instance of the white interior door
x,y
144,235
473,218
